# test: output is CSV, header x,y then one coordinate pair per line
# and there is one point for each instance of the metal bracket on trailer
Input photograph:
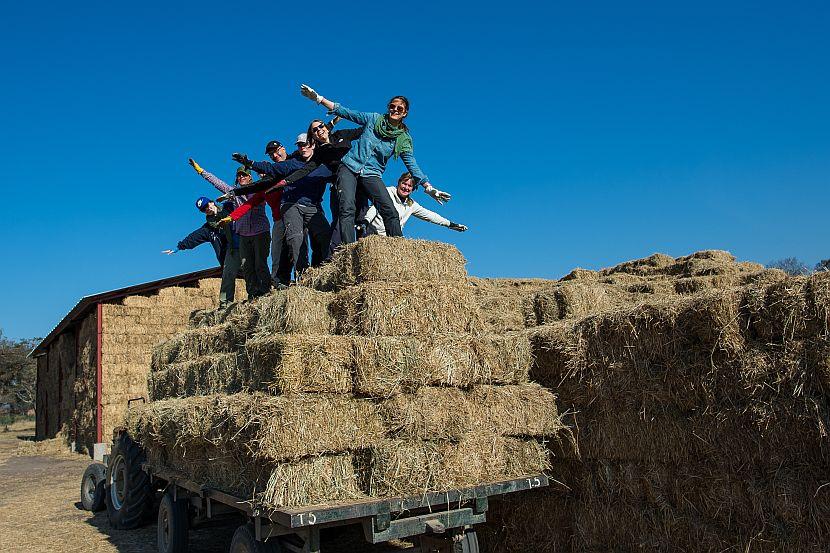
x,y
422,524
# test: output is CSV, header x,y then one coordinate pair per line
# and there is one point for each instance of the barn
x,y
96,360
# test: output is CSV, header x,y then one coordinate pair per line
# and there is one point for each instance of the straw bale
x,y
194,343
406,309
519,410
429,414
386,365
414,467
313,481
468,359
581,274
268,428
298,309
574,299
388,259
301,363
506,304
645,266
311,424
224,373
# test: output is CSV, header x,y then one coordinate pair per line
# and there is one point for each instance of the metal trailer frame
x,y
445,516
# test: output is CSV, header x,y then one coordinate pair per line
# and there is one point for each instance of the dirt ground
x,y
40,508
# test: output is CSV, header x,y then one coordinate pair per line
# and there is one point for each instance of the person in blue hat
x,y
225,243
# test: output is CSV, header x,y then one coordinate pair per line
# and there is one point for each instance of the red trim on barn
x,y
98,372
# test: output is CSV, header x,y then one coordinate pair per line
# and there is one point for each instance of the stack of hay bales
x,y
701,414
376,377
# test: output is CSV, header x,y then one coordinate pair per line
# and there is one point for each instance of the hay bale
x,y
298,309
520,410
416,467
384,365
224,373
574,299
313,481
268,428
644,267
197,342
388,259
506,304
405,309
429,413
468,359
581,274
301,363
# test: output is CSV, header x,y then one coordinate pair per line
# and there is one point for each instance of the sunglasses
x,y
317,128
397,108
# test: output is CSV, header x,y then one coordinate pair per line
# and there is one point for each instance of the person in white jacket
x,y
406,206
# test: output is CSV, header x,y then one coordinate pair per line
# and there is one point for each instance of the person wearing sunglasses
x,y
382,137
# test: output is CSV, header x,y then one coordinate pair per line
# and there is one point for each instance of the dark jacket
x,y
328,154
308,190
211,232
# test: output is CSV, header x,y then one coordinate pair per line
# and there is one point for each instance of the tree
x,y
18,372
790,265
823,265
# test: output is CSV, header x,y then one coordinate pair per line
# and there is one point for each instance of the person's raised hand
x,y
437,195
195,165
224,221
242,159
457,227
310,93
169,252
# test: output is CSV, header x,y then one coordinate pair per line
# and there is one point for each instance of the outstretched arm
x,y
218,183
426,215
408,159
257,199
198,236
360,117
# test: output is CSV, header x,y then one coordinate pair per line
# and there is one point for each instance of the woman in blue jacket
x,y
382,137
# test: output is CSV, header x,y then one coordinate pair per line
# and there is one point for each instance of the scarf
x,y
403,141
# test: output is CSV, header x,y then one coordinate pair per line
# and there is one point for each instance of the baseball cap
x,y
272,146
302,138
202,203
242,169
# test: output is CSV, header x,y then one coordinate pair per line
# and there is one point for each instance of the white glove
x,y
437,195
310,93
456,226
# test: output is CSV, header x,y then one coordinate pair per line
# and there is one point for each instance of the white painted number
x,y
534,483
312,518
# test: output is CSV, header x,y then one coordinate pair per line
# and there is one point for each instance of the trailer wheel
x,y
173,525
244,541
467,544
92,487
129,494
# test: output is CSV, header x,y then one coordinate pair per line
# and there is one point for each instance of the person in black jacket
x,y
225,244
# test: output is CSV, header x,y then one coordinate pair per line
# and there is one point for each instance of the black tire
x,y
244,541
173,525
91,497
467,544
129,494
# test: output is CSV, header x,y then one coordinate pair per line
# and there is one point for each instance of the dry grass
x,y
296,310
405,309
384,259
415,467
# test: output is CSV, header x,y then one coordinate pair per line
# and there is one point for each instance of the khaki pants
x,y
254,250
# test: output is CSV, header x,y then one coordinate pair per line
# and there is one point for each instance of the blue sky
x,y
570,134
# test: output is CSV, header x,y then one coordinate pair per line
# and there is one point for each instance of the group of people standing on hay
x,y
293,185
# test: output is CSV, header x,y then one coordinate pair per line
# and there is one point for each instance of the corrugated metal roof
x,y
87,302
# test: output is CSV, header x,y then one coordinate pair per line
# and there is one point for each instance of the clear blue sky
x,y
569,133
